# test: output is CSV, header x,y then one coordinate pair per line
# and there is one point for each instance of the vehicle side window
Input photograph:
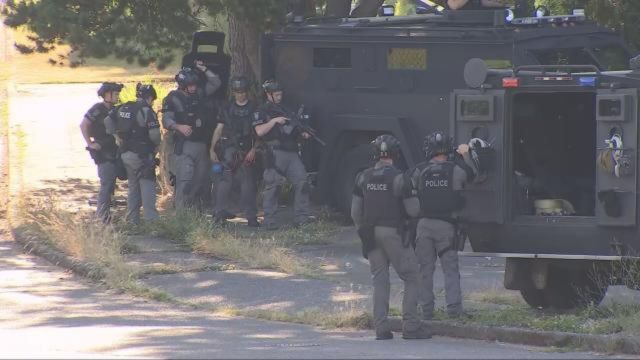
x,y
406,59
334,58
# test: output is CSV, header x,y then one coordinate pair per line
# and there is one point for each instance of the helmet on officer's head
x,y
437,143
186,77
145,91
386,146
239,84
271,86
109,87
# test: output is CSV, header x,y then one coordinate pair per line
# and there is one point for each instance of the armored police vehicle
x,y
362,77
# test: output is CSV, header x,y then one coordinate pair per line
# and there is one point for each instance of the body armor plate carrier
x,y
135,137
381,206
438,199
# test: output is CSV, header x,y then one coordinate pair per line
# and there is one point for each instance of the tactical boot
x,y
253,222
384,335
423,332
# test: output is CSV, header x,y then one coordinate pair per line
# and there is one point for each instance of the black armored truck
x,y
544,204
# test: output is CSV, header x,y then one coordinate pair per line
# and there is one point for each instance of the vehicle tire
x,y
568,289
534,297
354,161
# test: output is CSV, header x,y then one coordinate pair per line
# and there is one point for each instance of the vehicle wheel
x,y
352,163
567,289
534,297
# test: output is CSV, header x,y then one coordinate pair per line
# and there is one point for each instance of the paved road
x,y
47,312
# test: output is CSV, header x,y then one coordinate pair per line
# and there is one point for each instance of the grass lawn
x,y
35,68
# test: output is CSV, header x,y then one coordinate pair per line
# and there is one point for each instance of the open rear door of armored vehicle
x,y
617,141
479,114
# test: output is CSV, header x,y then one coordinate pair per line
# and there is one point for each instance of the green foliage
x,y
620,15
142,31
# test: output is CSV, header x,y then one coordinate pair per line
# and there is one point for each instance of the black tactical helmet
x,y
145,91
385,146
437,143
239,84
109,87
186,77
271,86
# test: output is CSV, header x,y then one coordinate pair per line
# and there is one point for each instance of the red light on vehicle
x,y
510,82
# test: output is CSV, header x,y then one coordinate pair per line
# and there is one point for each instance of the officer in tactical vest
x,y
283,161
183,113
137,132
378,213
433,196
233,144
102,146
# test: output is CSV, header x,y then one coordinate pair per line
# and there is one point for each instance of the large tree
x,y
155,31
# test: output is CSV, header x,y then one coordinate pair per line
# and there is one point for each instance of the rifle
x,y
294,123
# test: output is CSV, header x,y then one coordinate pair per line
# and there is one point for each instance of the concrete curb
x,y
56,256
599,343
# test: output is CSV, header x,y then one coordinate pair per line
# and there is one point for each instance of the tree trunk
x,y
244,38
367,8
338,8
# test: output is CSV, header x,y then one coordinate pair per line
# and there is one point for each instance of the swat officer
x,y
283,161
183,114
237,151
434,198
377,211
137,132
102,146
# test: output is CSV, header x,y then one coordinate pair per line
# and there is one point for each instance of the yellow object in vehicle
x,y
405,7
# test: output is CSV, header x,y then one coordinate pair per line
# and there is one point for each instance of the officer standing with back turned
x,y
237,152
283,161
377,211
137,132
434,198
183,113
102,146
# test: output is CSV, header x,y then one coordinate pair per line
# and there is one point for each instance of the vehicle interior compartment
x,y
554,152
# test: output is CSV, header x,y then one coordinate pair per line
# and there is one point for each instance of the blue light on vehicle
x,y
588,81
510,15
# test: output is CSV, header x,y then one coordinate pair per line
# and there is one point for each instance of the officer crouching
x,y
137,132
434,198
377,211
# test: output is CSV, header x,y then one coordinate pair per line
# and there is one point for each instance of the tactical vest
x,y
98,131
238,121
438,199
191,114
286,142
381,206
135,137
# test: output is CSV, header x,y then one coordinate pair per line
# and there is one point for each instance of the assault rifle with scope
x,y
297,122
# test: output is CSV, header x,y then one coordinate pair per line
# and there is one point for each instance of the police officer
x,y
377,211
434,197
183,114
283,161
137,132
102,146
237,152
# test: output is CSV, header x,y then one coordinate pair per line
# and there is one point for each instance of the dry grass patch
x,y
496,296
237,244
341,320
